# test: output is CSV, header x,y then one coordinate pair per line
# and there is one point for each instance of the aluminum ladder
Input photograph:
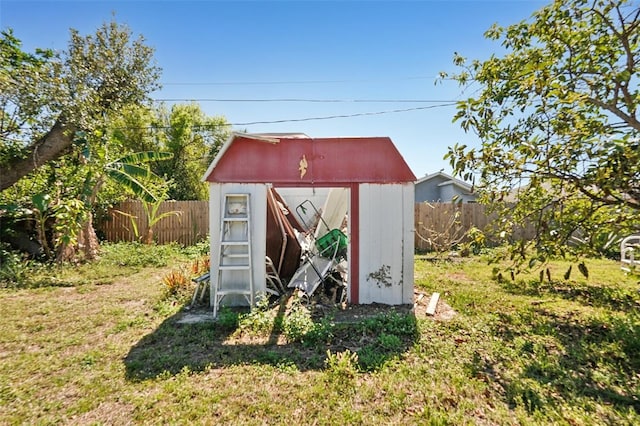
x,y
234,275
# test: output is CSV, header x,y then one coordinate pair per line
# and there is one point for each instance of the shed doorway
x,y
308,243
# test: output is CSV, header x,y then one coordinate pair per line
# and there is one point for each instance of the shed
x,y
379,192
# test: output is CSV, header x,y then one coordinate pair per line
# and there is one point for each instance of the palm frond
x,y
144,157
131,183
134,170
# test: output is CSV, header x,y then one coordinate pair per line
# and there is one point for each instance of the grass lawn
x,y
101,344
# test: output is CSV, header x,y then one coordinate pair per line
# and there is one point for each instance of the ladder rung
x,y
234,267
234,243
227,292
235,219
235,255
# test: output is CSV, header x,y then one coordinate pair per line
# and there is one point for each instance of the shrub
x,y
176,283
14,270
342,367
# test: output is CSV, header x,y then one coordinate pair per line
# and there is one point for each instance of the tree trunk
x,y
47,148
87,244
148,238
88,240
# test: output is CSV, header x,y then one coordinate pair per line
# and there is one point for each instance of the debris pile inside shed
x,y
307,251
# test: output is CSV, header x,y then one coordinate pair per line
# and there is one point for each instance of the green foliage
x,y
105,72
321,333
15,271
560,138
391,323
186,132
260,320
63,102
24,91
297,323
388,335
152,211
68,215
194,139
127,171
48,98
199,249
341,367
228,319
117,260
153,216
139,255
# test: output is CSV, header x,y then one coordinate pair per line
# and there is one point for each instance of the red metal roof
x,y
296,160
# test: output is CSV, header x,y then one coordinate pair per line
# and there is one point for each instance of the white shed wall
x,y
258,223
386,243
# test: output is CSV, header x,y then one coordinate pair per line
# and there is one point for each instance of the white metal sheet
x,y
384,250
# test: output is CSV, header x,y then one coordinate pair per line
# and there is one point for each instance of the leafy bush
x,y
259,320
227,318
297,323
14,271
199,249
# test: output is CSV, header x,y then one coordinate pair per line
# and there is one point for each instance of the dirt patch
x,y
459,277
443,312
347,313
357,313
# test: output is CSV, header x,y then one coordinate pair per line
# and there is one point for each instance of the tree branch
x,y
629,119
49,147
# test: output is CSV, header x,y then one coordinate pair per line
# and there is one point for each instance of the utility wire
x,y
305,100
293,120
331,117
285,82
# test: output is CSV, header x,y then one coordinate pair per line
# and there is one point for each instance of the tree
x,y
186,132
46,98
557,118
193,138
55,111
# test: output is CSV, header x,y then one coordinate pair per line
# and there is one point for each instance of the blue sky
x,y
352,52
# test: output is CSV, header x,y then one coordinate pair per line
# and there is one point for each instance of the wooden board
x,y
431,308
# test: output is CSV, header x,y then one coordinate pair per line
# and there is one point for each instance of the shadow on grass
x,y
174,346
565,358
590,295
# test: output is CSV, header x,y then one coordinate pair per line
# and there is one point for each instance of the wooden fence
x,y
437,225
187,226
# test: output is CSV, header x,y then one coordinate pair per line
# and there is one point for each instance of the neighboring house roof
x,y
448,180
293,159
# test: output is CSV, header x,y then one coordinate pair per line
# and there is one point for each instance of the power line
x,y
286,82
293,120
305,100
331,117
